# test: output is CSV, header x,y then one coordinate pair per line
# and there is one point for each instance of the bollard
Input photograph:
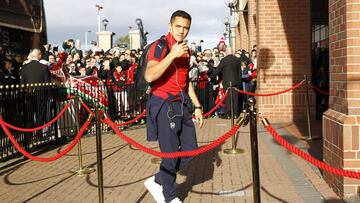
x,y
254,150
82,170
308,111
99,155
233,149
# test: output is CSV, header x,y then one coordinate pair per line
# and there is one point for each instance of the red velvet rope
x,y
215,107
320,90
309,158
144,112
270,94
43,159
40,127
133,120
198,151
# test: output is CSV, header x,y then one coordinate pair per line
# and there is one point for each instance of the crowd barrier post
x,y
99,154
254,150
82,170
308,111
233,149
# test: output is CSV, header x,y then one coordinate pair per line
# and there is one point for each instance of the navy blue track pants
x,y
176,132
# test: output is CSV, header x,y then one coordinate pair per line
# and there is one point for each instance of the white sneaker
x,y
155,189
176,200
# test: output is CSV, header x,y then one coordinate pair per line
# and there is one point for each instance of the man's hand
x,y
199,117
179,49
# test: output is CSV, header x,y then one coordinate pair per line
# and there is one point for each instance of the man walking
x,y
169,118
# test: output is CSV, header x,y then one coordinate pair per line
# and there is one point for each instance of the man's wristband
x,y
198,107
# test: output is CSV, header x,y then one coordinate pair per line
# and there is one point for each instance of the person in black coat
x,y
229,70
34,71
36,102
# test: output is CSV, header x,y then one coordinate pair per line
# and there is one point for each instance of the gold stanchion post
x,y
308,112
99,155
81,170
233,149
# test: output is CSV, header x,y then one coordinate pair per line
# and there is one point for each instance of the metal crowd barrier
x,y
205,93
33,105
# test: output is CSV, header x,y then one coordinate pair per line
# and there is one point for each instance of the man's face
x,y
8,65
253,54
92,62
106,64
179,28
118,69
221,46
97,58
127,56
69,58
122,57
51,59
70,44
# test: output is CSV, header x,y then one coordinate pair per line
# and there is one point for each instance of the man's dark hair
x,y
180,13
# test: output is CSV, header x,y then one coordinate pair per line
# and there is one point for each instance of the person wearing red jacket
x,y
168,115
130,72
119,88
253,77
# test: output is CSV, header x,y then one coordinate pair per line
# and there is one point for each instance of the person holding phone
x,y
169,105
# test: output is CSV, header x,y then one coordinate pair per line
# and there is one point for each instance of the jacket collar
x,y
170,39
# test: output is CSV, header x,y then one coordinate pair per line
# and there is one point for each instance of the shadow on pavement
x,y
87,153
333,201
199,170
273,196
115,186
141,198
48,188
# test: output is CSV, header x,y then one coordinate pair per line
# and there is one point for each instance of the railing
x,y
30,106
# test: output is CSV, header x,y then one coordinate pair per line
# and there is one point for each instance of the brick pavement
x,y
211,177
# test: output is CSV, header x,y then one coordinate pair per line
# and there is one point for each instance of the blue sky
x,y
71,19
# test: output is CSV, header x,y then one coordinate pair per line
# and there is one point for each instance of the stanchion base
x,y
310,139
82,171
234,151
156,160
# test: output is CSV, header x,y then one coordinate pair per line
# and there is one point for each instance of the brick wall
x,y
341,122
241,31
252,23
244,34
284,56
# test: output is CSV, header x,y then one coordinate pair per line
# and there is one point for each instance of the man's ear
x,y
169,28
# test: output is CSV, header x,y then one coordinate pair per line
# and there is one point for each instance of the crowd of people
x,y
211,75
120,65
